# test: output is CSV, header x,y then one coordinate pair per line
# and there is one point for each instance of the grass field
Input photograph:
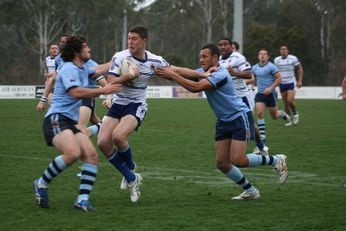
x,y
182,190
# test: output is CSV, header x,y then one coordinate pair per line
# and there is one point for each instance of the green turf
x,y
182,190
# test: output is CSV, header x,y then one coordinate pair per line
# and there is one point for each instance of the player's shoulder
x,y
58,57
237,55
277,59
221,73
90,63
68,67
155,60
292,57
152,56
122,54
255,66
271,65
222,70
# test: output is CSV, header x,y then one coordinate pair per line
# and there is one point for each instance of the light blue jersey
x,y
223,99
92,81
264,75
68,77
58,62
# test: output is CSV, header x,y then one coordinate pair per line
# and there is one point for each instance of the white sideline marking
x,y
262,174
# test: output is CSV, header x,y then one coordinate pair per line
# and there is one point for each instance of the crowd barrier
x,y
31,92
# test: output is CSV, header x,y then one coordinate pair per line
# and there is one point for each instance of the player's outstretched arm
x,y
188,73
99,70
190,85
82,93
41,106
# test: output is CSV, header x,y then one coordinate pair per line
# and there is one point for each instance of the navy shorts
x,y
118,111
56,123
288,86
268,100
244,98
241,128
89,102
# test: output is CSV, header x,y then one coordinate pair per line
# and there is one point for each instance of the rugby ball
x,y
125,65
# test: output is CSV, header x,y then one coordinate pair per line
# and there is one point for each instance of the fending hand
x,y
41,106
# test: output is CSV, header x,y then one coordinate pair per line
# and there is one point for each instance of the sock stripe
x,y
89,182
263,160
84,172
46,179
247,186
271,159
84,191
242,180
56,166
89,172
50,171
124,150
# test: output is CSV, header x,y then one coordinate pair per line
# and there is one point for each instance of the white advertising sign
x,y
17,92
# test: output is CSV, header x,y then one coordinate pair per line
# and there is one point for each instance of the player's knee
x,y
103,144
240,161
91,157
119,138
94,119
260,115
71,154
275,116
223,166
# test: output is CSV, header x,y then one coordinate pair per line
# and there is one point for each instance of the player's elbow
x,y
247,75
193,90
76,92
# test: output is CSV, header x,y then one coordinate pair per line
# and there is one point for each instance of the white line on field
x,y
263,174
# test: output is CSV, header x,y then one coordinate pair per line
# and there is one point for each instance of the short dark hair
x,y
140,30
264,49
227,39
73,45
235,44
214,49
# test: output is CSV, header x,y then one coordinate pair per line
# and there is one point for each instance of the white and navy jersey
x,y
237,62
286,67
50,64
134,91
224,101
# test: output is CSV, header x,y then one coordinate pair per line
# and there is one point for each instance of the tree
x,y
44,24
313,30
225,6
